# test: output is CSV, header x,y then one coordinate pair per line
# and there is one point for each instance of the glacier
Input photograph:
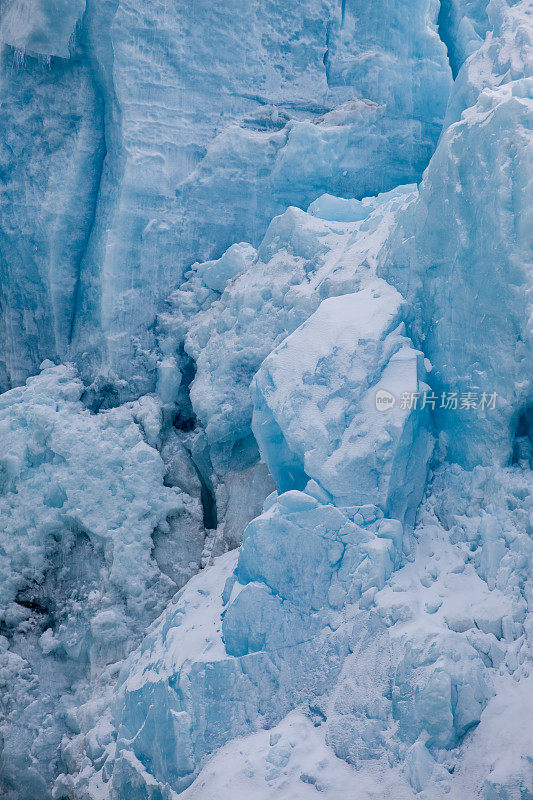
x,y
293,108
266,489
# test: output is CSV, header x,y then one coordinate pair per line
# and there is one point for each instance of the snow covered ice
x,y
315,412
266,421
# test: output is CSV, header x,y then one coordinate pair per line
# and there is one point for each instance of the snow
x,y
236,557
289,762
315,404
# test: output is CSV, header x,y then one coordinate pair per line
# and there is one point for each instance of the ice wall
x,y
400,646
38,28
199,151
462,252
391,614
51,153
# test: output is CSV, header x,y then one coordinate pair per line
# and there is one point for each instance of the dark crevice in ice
x,y
522,452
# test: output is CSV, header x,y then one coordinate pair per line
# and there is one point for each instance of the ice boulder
x,y
237,259
440,690
40,28
302,557
240,646
303,258
335,402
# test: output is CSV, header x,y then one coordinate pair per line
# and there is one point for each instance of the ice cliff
x,y
266,494
179,129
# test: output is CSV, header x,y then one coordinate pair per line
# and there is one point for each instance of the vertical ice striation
x,y
462,253
51,155
203,151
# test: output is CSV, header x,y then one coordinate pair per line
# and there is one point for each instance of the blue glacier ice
x,y
474,330
302,260
266,489
189,154
315,405
463,25
38,28
260,639
85,513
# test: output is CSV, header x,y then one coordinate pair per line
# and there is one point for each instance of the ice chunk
x,y
238,649
301,260
317,412
237,259
74,471
441,688
340,209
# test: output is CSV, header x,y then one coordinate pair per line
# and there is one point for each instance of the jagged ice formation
x,y
236,242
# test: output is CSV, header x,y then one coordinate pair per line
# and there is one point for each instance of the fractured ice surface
x,y
315,413
259,641
371,636
398,661
303,259
505,56
462,252
80,498
37,27
462,26
315,614
215,118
